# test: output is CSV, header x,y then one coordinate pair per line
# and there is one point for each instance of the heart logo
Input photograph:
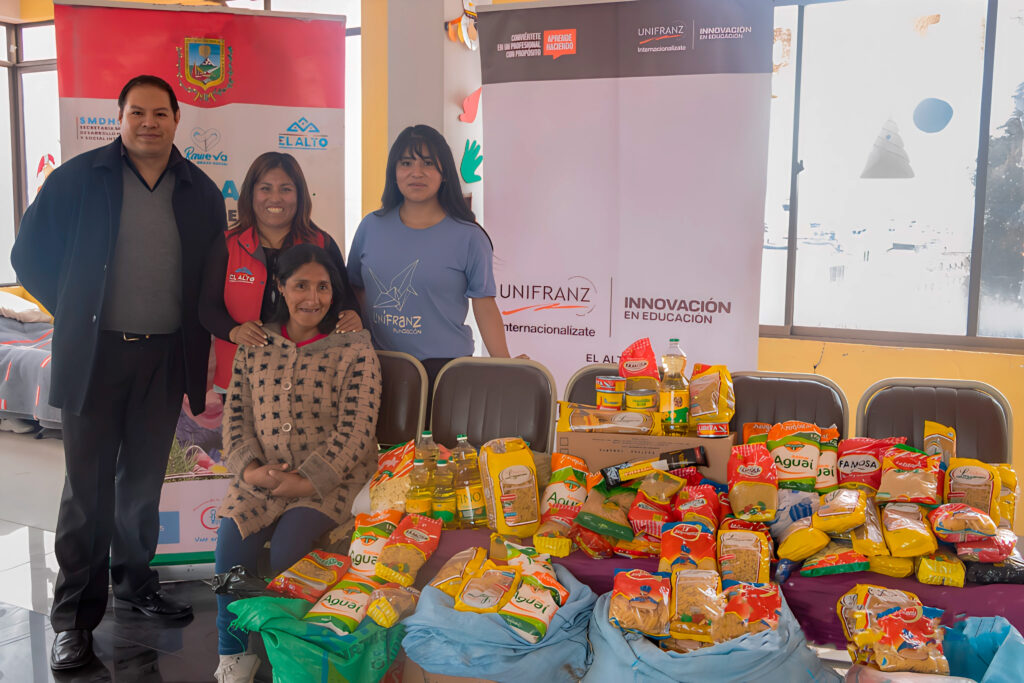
x,y
205,139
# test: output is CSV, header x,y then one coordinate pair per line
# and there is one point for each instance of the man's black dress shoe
x,y
156,604
71,649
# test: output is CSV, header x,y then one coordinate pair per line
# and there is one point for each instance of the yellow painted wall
x,y
375,100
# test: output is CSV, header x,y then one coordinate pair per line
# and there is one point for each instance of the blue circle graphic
x,y
932,115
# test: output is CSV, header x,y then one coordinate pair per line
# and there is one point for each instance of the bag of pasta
x,y
891,566
860,461
960,523
312,576
749,608
904,638
642,545
941,568
973,483
840,511
723,496
858,611
488,589
939,440
838,557
906,531
753,483
712,399
529,612
827,478
696,603
910,476
461,564
793,506
641,602
801,540
410,546
390,483
577,417
697,505
744,551
756,432
867,539
369,537
994,549
653,503
391,603
1008,493
593,544
509,478
535,568
686,545
606,511
795,447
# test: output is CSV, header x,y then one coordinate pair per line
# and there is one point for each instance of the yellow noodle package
x,y
753,483
641,602
696,603
973,483
941,568
461,564
867,539
939,440
576,417
906,530
509,478
744,551
801,540
391,603
1008,492
488,589
840,511
891,566
712,399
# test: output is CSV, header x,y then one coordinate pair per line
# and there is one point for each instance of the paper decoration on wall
x,y
463,30
470,106
887,158
46,166
471,160
932,115
922,23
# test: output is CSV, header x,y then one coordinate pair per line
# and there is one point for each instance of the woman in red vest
x,y
239,292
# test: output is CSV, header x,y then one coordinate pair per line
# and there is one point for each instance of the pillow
x,y
12,306
22,293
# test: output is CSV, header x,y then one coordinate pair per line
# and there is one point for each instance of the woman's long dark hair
x,y
290,261
303,229
413,141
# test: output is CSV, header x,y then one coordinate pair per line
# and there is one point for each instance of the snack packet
x,y
795,447
696,603
838,557
576,417
753,483
529,612
391,603
409,547
906,531
606,511
756,432
344,606
793,506
638,361
840,511
509,478
686,545
391,480
697,504
827,478
974,483
712,399
994,549
488,589
463,563
941,568
371,533
744,551
960,523
1008,492
801,540
868,539
1010,570
593,544
749,608
939,440
860,461
641,603
891,566
909,476
311,576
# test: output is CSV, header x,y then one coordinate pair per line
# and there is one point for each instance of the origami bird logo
x,y
396,294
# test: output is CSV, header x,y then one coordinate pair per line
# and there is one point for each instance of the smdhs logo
x,y
302,134
243,275
202,151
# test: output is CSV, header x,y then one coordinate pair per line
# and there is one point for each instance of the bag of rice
x,y
368,539
529,612
959,523
906,531
939,440
641,602
411,544
973,483
391,480
567,489
868,539
891,566
756,432
744,551
795,447
606,511
749,608
687,546
698,505
827,478
793,506
1010,570
941,568
995,549
312,576
461,564
696,603
838,557
344,606
840,511
753,483
909,476
535,568
1008,492
487,589
391,603
801,540
860,461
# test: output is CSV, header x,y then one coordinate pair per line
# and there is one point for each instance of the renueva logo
x,y
560,42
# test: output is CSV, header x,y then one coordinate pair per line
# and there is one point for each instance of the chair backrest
x,y
779,396
581,389
980,414
488,398
403,398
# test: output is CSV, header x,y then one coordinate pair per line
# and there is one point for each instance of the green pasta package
x,y
753,483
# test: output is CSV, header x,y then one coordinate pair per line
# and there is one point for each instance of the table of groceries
x,y
715,556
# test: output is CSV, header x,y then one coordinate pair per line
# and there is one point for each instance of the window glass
x,y
3,45
42,128
889,136
38,42
780,154
6,182
1001,311
350,8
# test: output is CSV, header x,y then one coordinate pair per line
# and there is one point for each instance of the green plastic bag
x,y
304,651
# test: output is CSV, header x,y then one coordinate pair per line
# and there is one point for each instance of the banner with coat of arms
x,y
246,83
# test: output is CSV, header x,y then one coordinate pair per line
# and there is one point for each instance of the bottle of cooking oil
x,y
469,492
444,494
674,390
419,499
427,450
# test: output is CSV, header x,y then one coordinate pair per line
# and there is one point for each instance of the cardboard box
x,y
602,450
188,518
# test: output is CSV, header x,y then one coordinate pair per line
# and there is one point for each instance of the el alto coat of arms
x,y
204,68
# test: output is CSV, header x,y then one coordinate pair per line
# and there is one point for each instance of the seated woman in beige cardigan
x,y
299,427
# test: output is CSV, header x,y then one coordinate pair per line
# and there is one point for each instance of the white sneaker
x,y
237,668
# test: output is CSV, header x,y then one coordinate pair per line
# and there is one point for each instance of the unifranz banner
x,y
625,148
247,83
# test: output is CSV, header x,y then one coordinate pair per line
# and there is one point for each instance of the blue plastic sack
x,y
780,655
444,641
987,649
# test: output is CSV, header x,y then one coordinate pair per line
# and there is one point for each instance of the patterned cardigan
x,y
313,407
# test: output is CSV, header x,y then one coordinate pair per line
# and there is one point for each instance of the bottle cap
x,y
673,339
417,461
426,432
460,437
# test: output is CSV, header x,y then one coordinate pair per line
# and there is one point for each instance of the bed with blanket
x,y
25,372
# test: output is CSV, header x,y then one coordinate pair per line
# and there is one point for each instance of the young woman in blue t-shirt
x,y
418,261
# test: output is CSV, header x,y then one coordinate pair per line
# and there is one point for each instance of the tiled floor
x,y
128,646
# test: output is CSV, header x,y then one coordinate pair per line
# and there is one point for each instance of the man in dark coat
x,y
114,246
